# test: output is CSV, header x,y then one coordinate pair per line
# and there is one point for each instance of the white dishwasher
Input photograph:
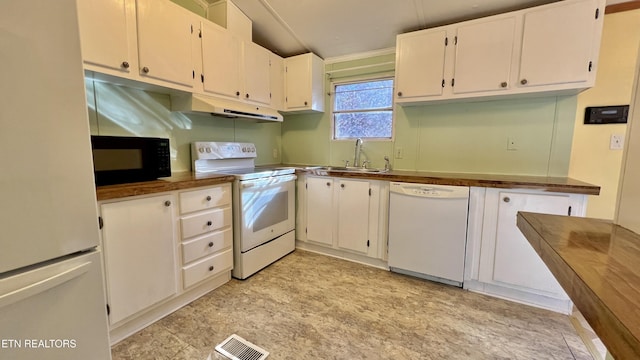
x,y
428,231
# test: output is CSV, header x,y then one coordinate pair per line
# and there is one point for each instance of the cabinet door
x,y
320,210
139,248
483,56
221,55
353,215
103,30
276,81
516,262
298,82
257,71
420,64
164,41
557,44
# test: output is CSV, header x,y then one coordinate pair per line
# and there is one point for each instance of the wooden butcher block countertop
x,y
551,184
598,265
178,181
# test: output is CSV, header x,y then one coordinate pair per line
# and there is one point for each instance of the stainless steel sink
x,y
347,169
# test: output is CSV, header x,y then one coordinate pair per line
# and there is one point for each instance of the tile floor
x,y
310,306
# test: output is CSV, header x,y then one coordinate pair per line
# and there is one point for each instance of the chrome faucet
x,y
356,157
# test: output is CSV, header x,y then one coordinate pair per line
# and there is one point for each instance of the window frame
x,y
335,83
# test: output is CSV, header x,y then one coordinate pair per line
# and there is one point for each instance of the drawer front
x,y
206,245
207,267
201,223
204,199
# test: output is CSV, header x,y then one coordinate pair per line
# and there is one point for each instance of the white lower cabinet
x,y
343,217
500,260
163,251
207,238
140,254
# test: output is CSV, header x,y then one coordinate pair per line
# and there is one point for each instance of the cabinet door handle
x,y
125,64
208,198
523,81
506,199
237,93
167,203
209,223
211,244
145,70
503,84
328,183
305,103
211,268
246,95
400,93
342,186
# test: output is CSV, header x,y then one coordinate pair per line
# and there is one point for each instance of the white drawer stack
x,y
206,233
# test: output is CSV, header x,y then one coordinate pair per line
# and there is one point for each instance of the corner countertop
x,y
598,265
551,184
178,181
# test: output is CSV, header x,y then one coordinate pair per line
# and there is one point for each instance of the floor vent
x,y
237,348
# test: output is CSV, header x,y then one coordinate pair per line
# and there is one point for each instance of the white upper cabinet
x,y
159,44
276,80
103,30
551,48
304,83
165,32
257,72
420,64
483,55
221,52
557,44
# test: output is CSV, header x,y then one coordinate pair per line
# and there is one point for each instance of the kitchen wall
x,y
455,137
591,159
123,111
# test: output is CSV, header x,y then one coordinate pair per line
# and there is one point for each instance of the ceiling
x,y
336,28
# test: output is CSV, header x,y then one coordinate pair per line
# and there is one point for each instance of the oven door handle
x,y
268,181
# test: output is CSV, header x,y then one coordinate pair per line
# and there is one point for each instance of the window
x,y
363,109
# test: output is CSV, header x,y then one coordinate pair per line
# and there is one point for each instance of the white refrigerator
x,y
52,300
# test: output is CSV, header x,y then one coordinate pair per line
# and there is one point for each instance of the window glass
x,y
363,109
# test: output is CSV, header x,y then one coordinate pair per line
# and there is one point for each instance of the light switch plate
x,y
616,142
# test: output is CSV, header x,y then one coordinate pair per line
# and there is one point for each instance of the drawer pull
x,y
209,223
211,268
167,203
506,199
208,198
211,244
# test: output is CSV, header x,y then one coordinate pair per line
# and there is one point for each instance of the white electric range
x,y
263,203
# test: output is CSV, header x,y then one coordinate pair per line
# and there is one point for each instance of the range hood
x,y
196,103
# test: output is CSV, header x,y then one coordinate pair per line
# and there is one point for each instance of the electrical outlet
x,y
616,142
399,153
512,143
275,153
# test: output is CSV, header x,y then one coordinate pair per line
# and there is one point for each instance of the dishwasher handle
x,y
430,191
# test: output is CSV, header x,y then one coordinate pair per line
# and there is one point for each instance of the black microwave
x,y
123,159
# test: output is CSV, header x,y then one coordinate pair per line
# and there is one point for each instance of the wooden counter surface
x,y
178,181
598,265
552,184
186,180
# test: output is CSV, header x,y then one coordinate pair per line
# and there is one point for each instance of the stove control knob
x,y
201,149
208,150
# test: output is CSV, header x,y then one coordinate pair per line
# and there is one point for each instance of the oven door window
x,y
266,210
